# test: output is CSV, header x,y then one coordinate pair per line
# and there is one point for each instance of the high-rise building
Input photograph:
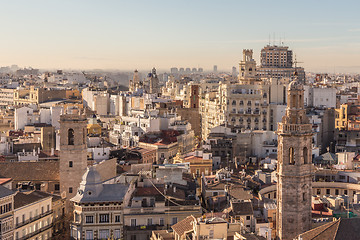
x,y
276,56
294,169
73,153
277,62
174,70
215,69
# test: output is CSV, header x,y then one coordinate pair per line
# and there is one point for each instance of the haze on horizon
x,y
324,35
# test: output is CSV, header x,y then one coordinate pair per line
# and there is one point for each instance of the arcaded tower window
x,y
70,136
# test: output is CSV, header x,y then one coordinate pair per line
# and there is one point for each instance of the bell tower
x,y
73,153
294,168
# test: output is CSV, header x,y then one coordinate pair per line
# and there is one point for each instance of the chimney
x,y
38,150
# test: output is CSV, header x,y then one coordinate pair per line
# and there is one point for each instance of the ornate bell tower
x,y
294,168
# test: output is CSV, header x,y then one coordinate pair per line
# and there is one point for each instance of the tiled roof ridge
x,y
329,226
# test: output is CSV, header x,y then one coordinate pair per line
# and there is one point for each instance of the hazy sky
x,y
325,35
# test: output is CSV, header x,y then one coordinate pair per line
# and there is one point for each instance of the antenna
x,y
273,38
296,62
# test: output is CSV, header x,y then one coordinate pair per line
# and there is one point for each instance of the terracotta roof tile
x,y
184,225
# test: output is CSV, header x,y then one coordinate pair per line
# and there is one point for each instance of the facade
x,y
294,187
251,104
154,207
38,95
276,56
98,208
73,154
320,97
6,213
32,216
277,62
6,97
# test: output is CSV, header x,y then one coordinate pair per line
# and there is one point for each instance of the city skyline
x,y
324,36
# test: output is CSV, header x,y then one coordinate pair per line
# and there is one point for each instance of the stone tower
x,y
135,82
247,67
294,168
153,82
73,153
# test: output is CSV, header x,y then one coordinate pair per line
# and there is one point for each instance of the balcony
x,y
144,227
33,219
295,128
36,232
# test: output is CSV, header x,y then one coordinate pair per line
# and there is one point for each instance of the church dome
x,y
91,176
295,85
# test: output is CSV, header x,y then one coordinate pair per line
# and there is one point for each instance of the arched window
x,y
291,156
305,155
70,136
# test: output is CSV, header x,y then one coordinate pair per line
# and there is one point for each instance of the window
x,y
89,219
345,192
42,210
104,218
117,218
133,222
149,221
247,217
305,153
57,187
174,220
291,156
70,136
89,235
161,223
327,191
104,234
318,191
70,189
336,191
70,164
117,234
48,207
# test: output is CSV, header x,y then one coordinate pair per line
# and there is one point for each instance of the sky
x,y
141,34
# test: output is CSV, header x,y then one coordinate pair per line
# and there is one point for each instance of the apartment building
x,y
33,216
98,208
6,213
6,97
